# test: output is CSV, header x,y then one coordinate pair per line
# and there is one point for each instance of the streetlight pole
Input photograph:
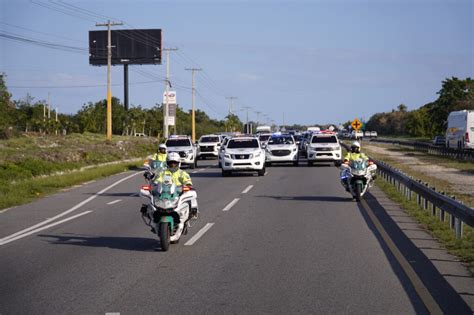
x,y
193,71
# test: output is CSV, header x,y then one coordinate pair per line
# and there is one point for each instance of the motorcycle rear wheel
x,y
164,236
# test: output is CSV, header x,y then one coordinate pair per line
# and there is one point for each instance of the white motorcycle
x,y
169,210
358,176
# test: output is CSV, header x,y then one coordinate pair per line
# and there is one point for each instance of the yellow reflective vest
x,y
354,156
179,177
159,157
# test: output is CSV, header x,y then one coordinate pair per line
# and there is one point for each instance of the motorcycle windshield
x,y
359,165
157,165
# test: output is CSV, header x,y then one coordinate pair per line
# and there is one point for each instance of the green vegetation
x,y
428,120
463,248
32,166
27,115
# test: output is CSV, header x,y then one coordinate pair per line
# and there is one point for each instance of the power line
x,y
19,38
75,86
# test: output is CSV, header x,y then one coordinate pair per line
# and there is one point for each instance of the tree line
x,y
28,115
430,119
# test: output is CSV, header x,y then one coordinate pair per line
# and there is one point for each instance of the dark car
x,y
439,140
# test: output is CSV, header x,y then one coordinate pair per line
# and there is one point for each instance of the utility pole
x,y
109,75
57,108
49,107
193,71
167,86
258,114
247,120
231,106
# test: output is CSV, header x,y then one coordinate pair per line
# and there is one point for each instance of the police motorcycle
x,y
168,211
357,176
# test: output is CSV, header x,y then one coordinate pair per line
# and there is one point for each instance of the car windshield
x,y
242,143
178,143
280,140
209,139
331,139
264,137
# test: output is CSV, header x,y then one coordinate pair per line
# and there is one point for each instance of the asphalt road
x,y
293,242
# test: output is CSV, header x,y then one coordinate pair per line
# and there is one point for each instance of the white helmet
x,y
173,157
355,144
162,146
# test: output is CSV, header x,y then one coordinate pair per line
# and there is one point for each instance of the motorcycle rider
x,y
161,154
352,156
355,153
179,177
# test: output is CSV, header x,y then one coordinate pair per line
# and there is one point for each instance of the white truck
x,y
263,129
324,147
209,146
460,130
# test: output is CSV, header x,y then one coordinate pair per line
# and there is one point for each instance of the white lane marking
x,y
231,204
3,242
5,210
199,234
246,190
69,210
115,201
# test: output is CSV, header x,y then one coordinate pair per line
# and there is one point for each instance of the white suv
x,y
324,147
209,146
281,148
243,154
185,148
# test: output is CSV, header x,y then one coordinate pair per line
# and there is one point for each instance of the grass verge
x,y
439,183
24,191
462,248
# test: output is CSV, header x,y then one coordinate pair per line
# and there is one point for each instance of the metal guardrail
x,y
458,154
427,197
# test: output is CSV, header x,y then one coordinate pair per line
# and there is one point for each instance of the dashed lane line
x,y
69,210
115,201
199,234
246,190
231,204
3,242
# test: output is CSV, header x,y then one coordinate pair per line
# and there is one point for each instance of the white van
x,y
460,130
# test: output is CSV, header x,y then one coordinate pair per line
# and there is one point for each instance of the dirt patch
x,y
461,181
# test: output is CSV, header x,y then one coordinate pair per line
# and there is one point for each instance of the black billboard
x,y
136,47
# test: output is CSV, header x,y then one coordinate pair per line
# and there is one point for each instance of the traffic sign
x,y
356,124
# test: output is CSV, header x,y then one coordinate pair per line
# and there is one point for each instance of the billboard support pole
x,y
109,75
125,87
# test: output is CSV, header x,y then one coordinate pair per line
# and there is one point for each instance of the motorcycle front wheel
x,y
358,191
164,236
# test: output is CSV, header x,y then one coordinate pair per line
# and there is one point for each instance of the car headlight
x,y
190,152
257,154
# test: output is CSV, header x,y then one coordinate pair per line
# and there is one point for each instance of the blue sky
x,y
309,61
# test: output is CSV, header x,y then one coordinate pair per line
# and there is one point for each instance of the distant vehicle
x,y
263,137
263,129
373,134
357,134
209,146
243,154
460,130
439,140
139,134
324,147
368,134
281,148
313,129
304,142
184,147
